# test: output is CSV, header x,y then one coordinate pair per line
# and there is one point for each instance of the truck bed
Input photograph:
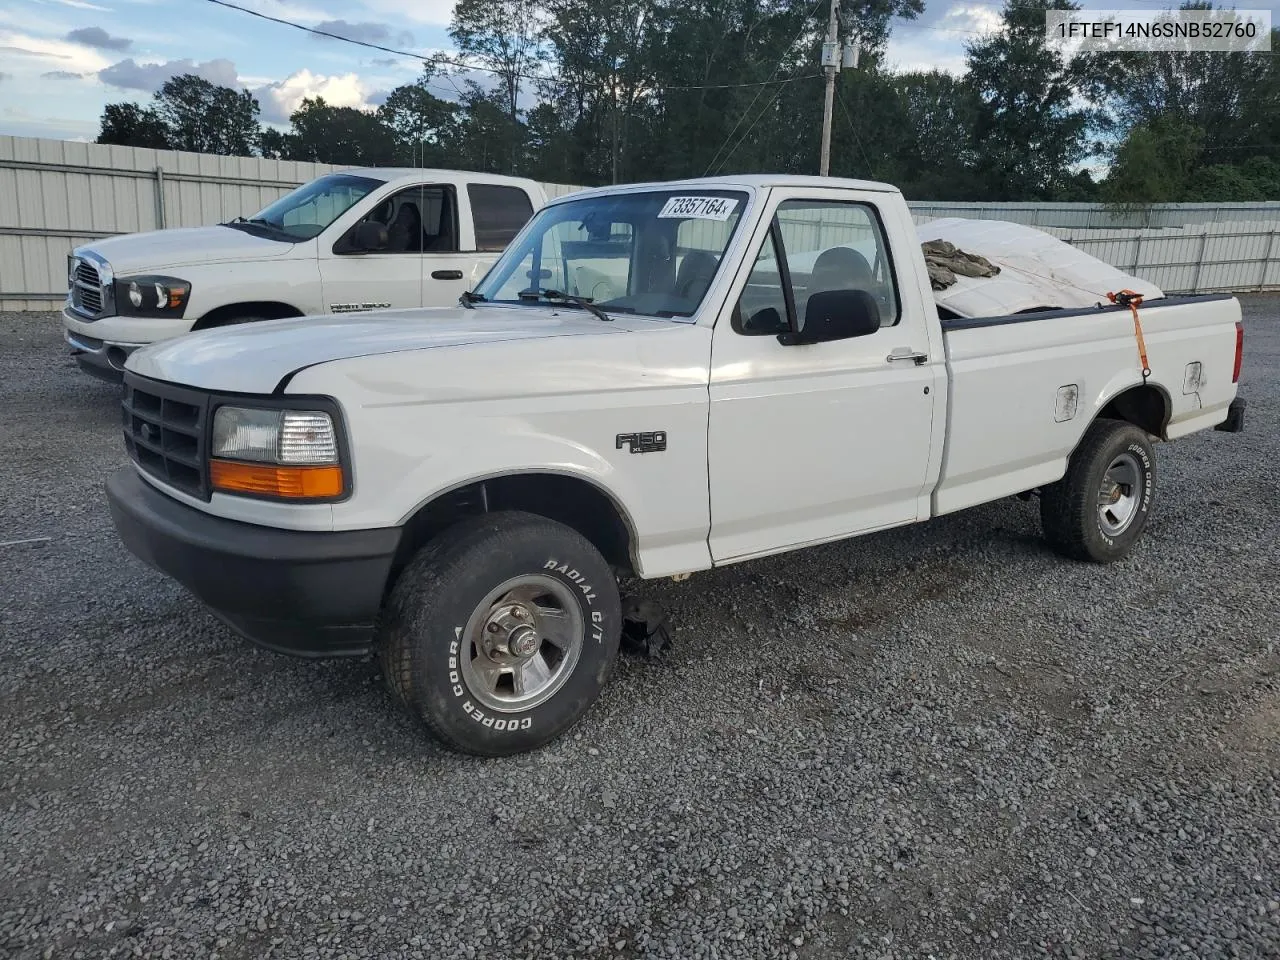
x,y
1005,374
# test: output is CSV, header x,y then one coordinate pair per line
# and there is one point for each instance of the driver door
x,y
354,279
817,441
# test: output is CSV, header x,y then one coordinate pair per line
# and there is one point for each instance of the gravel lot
x,y
937,742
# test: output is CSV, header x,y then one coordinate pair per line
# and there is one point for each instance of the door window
x,y
816,246
418,220
498,212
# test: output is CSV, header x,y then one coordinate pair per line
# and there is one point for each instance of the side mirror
x,y
835,315
369,236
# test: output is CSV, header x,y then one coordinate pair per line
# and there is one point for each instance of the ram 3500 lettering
x,y
349,241
651,380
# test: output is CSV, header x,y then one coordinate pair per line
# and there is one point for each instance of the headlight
x,y
291,454
151,296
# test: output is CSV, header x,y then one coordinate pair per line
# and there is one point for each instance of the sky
x,y
61,61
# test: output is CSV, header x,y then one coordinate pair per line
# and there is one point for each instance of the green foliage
x,y
584,92
205,118
1154,164
130,125
1028,121
342,135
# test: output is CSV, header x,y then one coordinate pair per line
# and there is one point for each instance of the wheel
x,y
1097,511
501,632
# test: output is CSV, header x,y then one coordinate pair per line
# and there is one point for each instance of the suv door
x,y
422,248
817,441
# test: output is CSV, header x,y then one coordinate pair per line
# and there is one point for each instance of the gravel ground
x,y
937,742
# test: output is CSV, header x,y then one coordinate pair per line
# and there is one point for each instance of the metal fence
x,y
1099,216
56,195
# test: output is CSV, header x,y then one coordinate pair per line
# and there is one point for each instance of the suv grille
x,y
164,432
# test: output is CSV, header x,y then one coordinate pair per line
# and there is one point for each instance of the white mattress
x,y
1036,270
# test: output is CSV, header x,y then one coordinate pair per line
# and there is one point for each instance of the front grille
x,y
88,294
88,299
164,431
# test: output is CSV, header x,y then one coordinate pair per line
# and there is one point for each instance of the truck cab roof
x,y
754,181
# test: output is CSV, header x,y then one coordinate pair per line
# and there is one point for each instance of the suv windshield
x,y
654,252
305,212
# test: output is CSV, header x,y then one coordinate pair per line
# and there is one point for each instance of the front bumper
x,y
297,592
99,358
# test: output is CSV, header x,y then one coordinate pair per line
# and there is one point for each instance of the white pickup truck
x,y
761,368
360,239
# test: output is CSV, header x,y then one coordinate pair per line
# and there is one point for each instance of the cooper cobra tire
x,y
501,632
1099,509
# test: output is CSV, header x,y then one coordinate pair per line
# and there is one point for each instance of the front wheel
x,y
501,632
1097,511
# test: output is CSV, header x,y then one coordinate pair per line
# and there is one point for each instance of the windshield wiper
x,y
583,302
261,223
469,299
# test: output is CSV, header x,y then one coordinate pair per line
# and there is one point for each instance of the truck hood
x,y
165,249
255,358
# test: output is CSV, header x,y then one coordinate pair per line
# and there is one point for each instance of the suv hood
x,y
255,358
162,249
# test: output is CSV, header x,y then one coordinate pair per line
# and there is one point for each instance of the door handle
x,y
446,274
905,353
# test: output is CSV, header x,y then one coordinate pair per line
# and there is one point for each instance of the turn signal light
x,y
263,479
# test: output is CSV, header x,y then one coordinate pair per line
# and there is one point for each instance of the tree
x,y
422,124
1154,164
343,135
130,125
205,118
506,37
1030,123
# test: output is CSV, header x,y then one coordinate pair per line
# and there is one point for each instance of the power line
x,y
804,25
437,59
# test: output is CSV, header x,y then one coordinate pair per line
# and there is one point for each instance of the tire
x,y
1114,461
455,644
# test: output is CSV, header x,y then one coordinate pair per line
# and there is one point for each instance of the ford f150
x,y
651,380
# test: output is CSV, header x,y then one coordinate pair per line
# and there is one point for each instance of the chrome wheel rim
x,y
1120,494
521,643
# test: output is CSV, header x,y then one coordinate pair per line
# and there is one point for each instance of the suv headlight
x,y
151,296
279,453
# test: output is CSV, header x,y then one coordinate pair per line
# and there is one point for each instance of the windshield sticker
x,y
699,208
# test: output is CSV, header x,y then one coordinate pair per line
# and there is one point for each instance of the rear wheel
x,y
501,632
1099,509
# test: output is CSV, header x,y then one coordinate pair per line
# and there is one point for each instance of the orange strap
x,y
1132,300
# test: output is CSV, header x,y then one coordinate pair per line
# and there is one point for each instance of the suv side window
x,y
418,220
498,213
825,245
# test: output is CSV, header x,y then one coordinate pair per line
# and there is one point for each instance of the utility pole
x,y
830,64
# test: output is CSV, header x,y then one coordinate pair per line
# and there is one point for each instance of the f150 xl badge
x,y
653,441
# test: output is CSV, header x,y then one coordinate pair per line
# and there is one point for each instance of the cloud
x,y
5,76
64,75
280,99
150,77
97,37
368,32
68,55
82,5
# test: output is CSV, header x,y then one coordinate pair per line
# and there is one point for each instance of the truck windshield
x,y
305,212
653,252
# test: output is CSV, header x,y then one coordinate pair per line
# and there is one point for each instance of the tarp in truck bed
x,y
1036,270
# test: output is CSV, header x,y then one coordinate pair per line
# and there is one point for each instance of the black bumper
x,y
302,593
1235,417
